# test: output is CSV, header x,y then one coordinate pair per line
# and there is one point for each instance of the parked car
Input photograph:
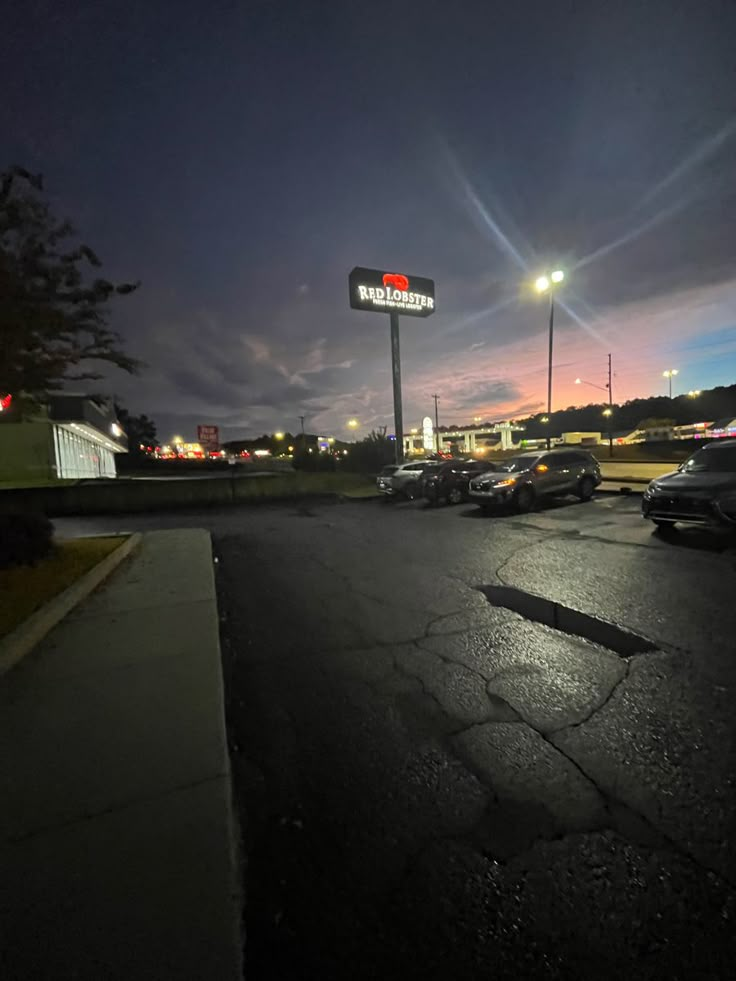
x,y
383,480
449,482
701,491
402,480
521,481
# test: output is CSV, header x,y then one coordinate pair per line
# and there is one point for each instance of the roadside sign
x,y
208,438
391,292
427,434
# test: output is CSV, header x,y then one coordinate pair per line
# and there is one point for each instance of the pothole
x,y
569,621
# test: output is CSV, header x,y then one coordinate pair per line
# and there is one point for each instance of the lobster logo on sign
x,y
397,280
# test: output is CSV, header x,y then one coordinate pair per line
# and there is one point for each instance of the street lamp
x,y
581,381
547,284
670,374
278,435
694,393
353,423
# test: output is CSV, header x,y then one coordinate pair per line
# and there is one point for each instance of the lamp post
x,y
547,284
669,375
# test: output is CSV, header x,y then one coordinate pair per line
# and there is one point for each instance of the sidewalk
x,y
116,839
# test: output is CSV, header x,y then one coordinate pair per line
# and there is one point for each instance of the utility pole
x,y
610,408
549,369
437,422
303,446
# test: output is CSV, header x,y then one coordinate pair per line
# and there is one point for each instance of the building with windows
x,y
73,437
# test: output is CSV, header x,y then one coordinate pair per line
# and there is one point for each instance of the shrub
x,y
24,539
314,462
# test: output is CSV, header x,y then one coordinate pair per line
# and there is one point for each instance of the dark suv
x,y
701,491
449,483
524,479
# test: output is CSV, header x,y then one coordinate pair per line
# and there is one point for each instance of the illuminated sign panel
x,y
427,433
209,437
388,292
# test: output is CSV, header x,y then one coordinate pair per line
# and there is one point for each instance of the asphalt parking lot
x,y
434,782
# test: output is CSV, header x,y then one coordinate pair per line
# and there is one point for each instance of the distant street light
x,y
353,423
580,381
694,393
544,419
670,374
546,284
608,412
278,435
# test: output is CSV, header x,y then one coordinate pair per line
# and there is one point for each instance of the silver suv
x,y
521,481
402,480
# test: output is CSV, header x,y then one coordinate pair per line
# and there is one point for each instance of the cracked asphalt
x,y
431,786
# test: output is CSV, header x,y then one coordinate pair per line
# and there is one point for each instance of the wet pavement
x,y
436,785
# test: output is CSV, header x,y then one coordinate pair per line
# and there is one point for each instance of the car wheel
x,y
456,496
664,525
586,488
524,500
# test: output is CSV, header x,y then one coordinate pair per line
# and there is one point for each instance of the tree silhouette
x,y
53,311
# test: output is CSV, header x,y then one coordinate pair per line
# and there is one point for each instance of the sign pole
x,y
396,372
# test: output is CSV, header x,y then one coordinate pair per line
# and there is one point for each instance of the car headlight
x,y
506,483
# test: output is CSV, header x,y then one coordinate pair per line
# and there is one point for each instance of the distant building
x,y
722,428
467,440
73,437
584,439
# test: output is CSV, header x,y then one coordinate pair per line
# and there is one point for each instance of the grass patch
x,y
26,483
362,490
26,588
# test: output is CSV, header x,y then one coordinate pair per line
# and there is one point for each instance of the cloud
x,y
478,394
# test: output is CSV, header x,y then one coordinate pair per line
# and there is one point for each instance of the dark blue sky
x,y
239,158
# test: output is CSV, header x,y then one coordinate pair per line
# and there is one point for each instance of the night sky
x,y
239,158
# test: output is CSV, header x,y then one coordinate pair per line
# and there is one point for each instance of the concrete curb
x,y
24,638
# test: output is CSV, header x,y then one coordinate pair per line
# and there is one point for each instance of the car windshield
x,y
721,460
387,471
518,463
